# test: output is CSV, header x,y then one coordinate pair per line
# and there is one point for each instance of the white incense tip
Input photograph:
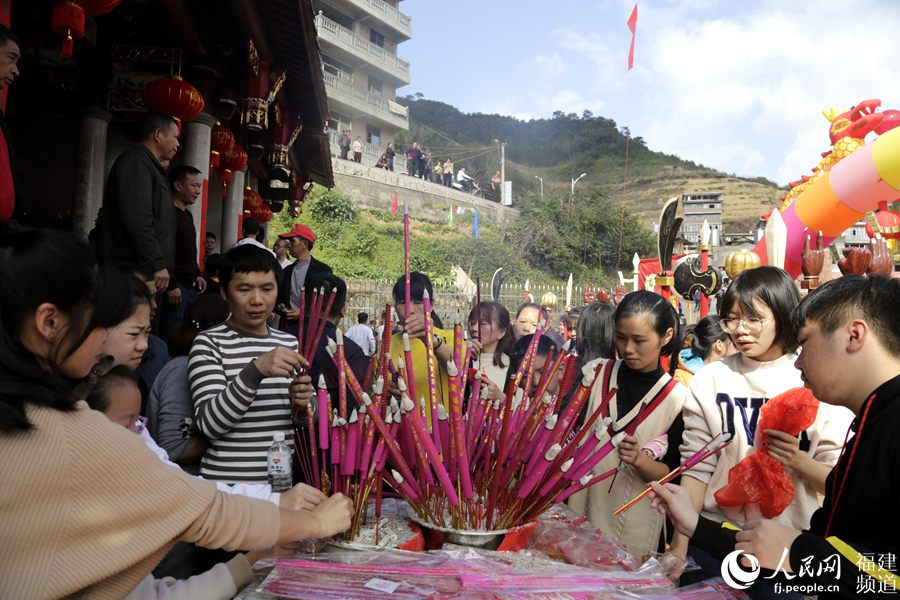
x,y
484,391
586,479
401,364
354,417
567,465
553,452
442,413
366,400
516,401
426,295
452,371
322,385
394,405
406,404
379,385
498,404
339,337
589,372
362,410
402,385
422,403
617,439
332,345
406,346
388,419
567,346
550,422
343,421
336,421
397,477
546,398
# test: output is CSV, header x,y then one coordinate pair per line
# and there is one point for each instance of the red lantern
x,y
262,213
175,97
67,19
888,222
252,200
233,160
221,142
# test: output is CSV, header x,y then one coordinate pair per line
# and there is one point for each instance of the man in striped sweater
x,y
243,375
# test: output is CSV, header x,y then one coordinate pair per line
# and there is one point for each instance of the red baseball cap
x,y
301,231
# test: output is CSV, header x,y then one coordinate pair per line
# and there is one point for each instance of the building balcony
x,y
398,25
349,99
358,51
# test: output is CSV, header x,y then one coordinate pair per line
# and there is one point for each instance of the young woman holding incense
x,y
61,457
642,402
490,342
727,395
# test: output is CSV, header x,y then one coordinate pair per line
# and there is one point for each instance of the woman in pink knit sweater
x,y
86,509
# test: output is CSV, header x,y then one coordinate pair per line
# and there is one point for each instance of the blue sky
x,y
738,86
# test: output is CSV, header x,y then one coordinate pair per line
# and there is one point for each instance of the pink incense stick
x,y
585,482
313,322
335,443
430,451
532,479
323,414
348,464
408,363
391,444
456,427
430,357
444,424
322,320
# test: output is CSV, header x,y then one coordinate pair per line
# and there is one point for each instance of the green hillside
x,y
566,145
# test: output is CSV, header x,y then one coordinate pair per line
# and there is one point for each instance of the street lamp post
x,y
576,180
541,179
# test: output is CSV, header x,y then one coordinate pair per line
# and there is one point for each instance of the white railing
x,y
370,154
360,46
364,100
388,14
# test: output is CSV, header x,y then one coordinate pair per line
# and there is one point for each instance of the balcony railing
x,y
370,154
369,103
388,14
359,46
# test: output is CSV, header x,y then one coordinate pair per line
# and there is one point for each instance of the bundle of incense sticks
x,y
478,463
712,447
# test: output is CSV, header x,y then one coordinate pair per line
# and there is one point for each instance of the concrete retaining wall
x,y
374,188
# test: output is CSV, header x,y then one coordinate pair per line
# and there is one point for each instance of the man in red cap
x,y
301,239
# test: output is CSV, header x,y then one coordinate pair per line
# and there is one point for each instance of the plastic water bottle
x,y
279,464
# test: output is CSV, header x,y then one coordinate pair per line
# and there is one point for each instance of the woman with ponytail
x,y
643,404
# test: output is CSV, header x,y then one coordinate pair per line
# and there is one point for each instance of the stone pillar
x,y
90,169
232,208
196,141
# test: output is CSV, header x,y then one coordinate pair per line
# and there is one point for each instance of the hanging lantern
x,y
262,213
175,97
233,160
252,200
67,19
221,142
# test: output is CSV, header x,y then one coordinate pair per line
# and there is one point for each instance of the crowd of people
x,y
420,163
139,396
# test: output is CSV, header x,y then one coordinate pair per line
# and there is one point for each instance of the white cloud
x,y
546,65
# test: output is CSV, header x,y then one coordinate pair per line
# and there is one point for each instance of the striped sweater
x,y
234,406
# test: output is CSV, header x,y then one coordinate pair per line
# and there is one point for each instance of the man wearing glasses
x,y
281,248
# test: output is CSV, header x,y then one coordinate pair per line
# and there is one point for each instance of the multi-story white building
x,y
358,41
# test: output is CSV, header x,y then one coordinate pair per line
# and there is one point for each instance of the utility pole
x,y
502,181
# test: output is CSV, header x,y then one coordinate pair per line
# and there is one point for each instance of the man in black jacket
x,y
136,225
10,53
306,267
849,332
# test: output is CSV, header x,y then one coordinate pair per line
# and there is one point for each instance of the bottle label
x,y
279,464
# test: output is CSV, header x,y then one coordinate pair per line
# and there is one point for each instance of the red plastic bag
x,y
759,478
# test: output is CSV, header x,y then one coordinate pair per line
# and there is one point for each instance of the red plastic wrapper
x,y
759,478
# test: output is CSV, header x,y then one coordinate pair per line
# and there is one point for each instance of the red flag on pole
x,y
394,206
632,25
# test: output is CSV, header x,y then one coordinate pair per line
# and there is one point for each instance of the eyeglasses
x,y
751,325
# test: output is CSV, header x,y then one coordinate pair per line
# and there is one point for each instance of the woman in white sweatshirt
x,y
727,395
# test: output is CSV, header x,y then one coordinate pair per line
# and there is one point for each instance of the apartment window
x,y
376,38
375,86
373,135
338,122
